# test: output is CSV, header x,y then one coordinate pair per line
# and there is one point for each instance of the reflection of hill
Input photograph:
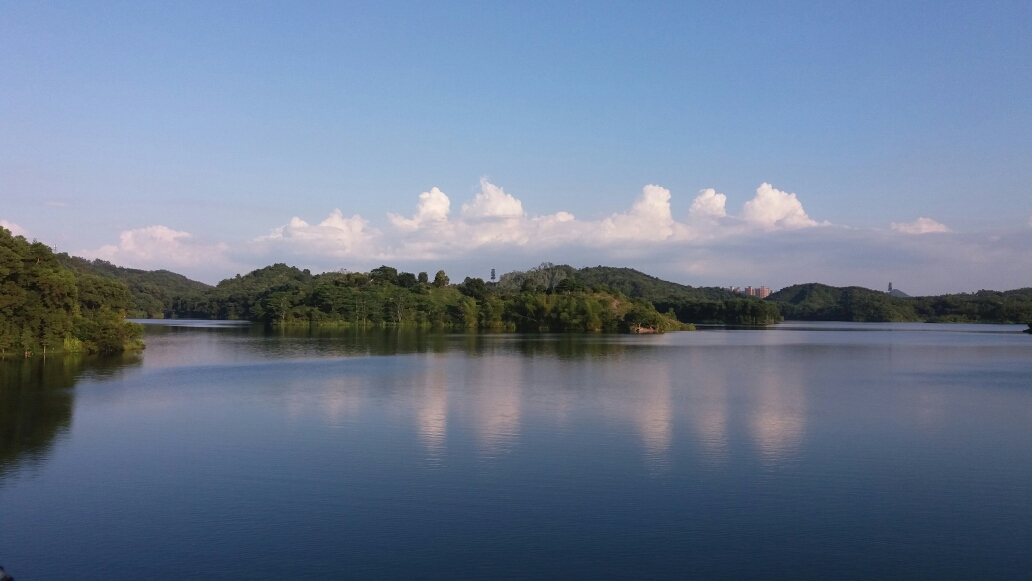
x,y
296,341
36,402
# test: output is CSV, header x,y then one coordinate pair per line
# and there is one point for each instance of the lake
x,y
803,451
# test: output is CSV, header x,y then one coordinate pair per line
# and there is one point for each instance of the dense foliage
x,y
153,292
689,304
736,311
638,284
818,302
46,307
284,295
554,297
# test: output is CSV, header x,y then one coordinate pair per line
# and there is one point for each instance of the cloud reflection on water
x,y
778,419
654,414
432,412
707,410
496,383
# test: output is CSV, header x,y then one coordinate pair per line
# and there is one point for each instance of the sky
x,y
738,143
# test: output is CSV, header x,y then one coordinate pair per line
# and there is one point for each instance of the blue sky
x,y
226,122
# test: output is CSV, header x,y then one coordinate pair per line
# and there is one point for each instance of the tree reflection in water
x,y
36,401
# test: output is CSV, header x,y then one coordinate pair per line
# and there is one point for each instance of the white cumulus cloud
x,y
771,241
919,226
773,209
708,204
14,228
432,207
492,202
496,221
649,219
159,246
335,236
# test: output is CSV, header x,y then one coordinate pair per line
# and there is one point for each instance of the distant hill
x,y
154,291
690,304
898,293
820,302
285,295
638,284
161,293
166,294
234,298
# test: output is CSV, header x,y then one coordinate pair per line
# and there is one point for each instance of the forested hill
x,y
154,291
165,294
46,307
302,295
285,295
820,302
688,304
638,284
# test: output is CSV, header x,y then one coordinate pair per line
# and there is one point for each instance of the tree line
x,y
285,295
819,302
152,290
547,297
45,307
710,305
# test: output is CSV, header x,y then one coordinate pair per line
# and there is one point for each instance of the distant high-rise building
x,y
752,291
492,275
890,288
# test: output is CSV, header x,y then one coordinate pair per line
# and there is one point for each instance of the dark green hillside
x,y
285,295
689,304
153,291
638,284
47,308
984,306
744,310
238,297
819,302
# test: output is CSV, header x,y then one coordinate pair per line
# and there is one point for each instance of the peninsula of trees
x,y
46,308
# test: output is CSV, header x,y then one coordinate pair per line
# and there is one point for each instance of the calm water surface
x,y
816,451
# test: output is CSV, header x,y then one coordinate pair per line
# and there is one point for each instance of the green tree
x,y
384,275
441,279
474,287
